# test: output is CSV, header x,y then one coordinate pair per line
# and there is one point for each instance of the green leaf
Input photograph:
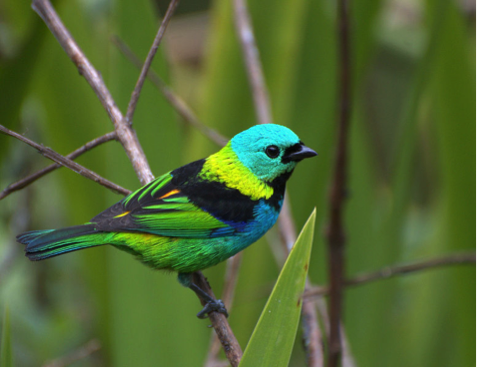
x,y
272,340
6,358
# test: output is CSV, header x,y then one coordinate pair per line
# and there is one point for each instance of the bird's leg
x,y
211,305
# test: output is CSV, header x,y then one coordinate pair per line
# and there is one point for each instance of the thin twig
x,y
232,349
82,352
66,162
287,226
150,56
20,184
392,271
126,135
335,232
231,272
312,336
244,29
177,102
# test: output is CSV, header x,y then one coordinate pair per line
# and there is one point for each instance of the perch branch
x,y
150,56
177,103
20,184
66,162
232,349
392,271
126,135
335,231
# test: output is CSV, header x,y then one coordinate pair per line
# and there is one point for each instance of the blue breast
x,y
265,217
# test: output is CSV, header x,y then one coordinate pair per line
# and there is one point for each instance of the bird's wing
x,y
161,208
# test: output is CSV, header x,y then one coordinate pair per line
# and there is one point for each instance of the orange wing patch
x,y
122,214
171,193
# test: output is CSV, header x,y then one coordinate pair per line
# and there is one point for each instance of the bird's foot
x,y
213,306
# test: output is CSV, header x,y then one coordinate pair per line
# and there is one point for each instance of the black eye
x,y
272,151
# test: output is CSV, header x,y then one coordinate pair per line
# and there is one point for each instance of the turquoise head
x,y
269,150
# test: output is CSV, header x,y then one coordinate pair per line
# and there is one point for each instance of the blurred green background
x,y
411,181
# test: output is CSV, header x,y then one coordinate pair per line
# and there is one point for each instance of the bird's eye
x,y
272,151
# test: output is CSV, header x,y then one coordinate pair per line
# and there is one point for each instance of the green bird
x,y
195,216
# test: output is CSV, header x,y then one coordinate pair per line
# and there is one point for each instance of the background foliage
x,y
412,174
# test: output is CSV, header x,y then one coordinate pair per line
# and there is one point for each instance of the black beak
x,y
298,152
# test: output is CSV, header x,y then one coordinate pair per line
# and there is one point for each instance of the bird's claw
x,y
213,306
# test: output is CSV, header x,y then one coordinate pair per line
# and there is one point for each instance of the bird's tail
x,y
41,244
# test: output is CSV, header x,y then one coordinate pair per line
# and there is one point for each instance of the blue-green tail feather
x,y
41,244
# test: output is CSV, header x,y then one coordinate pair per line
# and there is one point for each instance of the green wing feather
x,y
161,208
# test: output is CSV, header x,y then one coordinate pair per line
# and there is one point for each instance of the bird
x,y
195,216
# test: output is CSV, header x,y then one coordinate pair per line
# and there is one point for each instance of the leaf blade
x,y
272,340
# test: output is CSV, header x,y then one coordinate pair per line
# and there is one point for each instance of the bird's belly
x,y
178,254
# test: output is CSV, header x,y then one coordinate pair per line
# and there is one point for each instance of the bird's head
x,y
269,150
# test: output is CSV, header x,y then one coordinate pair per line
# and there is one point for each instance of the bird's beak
x,y
298,152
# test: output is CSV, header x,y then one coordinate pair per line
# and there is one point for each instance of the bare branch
x,y
244,29
150,56
335,232
232,349
126,134
62,160
392,271
35,176
177,103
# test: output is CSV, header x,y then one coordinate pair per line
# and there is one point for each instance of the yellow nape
x,y
122,214
225,167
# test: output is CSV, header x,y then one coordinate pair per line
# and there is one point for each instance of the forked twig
x,y
177,103
150,56
62,160
126,134
30,179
